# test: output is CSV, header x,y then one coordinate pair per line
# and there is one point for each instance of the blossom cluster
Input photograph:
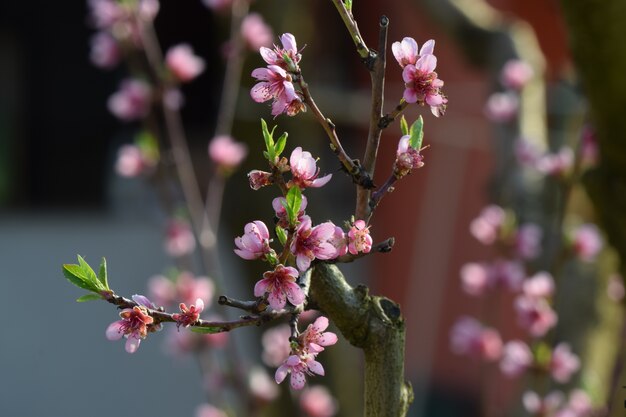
x,y
503,106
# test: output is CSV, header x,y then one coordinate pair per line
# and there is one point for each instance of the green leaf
x,y
404,126
282,235
89,297
294,201
280,144
348,4
206,330
75,275
417,134
102,273
90,274
269,140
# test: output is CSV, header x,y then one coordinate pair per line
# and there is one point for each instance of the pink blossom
x,y
259,179
615,288
183,63
255,241
406,53
207,410
502,107
469,337
133,326
474,278
281,286
105,52
188,315
528,241
526,152
281,213
535,315
314,338
535,405
299,367
105,13
275,84
317,402
173,98
132,161
190,288
407,158
507,274
422,85
563,363
276,346
256,32
148,9
486,227
540,285
589,146
359,239
516,358
131,101
305,171
323,241
587,242
277,55
556,164
179,240
261,385
516,74
578,405
227,153
162,290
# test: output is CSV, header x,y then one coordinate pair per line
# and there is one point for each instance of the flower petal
x,y
114,331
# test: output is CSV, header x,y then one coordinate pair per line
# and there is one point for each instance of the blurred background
x,y
59,194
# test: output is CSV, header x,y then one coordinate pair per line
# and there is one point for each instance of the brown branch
x,y
387,119
348,20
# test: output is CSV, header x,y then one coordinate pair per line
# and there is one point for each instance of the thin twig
x,y
387,119
362,49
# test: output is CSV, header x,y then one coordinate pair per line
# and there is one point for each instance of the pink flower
x,y
173,98
299,367
469,337
183,63
535,315
317,402
314,338
359,239
422,85
474,278
556,164
516,74
589,146
276,346
563,363
190,288
535,405
486,227
131,101
179,240
133,326
281,212
259,179
105,13
507,274
161,290
188,315
516,358
207,410
256,32
615,288
105,52
587,242
528,241
255,241
261,385
526,152
407,158
540,285
406,53
275,84
132,161
304,170
502,107
148,9
323,241
227,153
281,286
578,405
277,55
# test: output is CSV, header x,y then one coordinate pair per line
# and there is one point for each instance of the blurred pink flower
x,y
540,285
173,98
536,405
535,315
486,227
317,402
179,239
256,32
261,385
131,101
255,241
587,242
556,164
615,288
359,239
422,85
516,358
314,338
183,63
578,405
526,152
502,107
148,9
469,337
227,153
474,278
305,171
207,410
132,162
507,274
190,288
528,241
516,74
324,241
161,290
104,13
105,52
276,345
299,367
589,146
563,363
281,286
